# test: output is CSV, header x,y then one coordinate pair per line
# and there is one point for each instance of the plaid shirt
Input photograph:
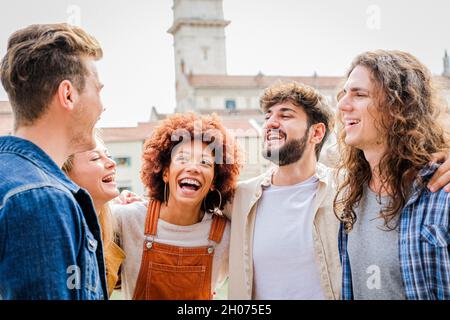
x,y
424,238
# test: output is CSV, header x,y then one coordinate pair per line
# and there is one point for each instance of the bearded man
x,y
283,234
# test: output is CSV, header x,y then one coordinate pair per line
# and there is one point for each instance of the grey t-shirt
x,y
373,253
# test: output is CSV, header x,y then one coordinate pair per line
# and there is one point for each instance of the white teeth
x,y
191,181
109,178
274,136
351,122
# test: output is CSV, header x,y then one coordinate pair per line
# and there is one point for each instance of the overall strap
x,y
217,228
151,222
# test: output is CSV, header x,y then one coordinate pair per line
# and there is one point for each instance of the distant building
x,y
204,86
6,119
125,145
446,59
201,79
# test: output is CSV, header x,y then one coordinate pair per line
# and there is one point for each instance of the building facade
x,y
6,119
126,146
203,86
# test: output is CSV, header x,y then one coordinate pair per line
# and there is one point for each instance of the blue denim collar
x,y
31,152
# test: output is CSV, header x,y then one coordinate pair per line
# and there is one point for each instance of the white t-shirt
x,y
283,250
130,223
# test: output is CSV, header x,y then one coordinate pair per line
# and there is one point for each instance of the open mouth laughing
x,y
189,184
275,136
350,123
110,178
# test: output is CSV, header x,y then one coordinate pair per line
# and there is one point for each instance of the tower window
x,y
123,161
182,66
207,102
248,101
125,187
205,51
230,104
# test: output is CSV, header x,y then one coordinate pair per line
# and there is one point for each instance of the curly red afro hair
x,y
174,130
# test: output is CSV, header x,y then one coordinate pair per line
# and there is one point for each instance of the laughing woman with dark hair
x,y
177,243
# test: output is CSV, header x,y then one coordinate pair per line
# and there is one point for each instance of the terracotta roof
x,y
259,81
6,124
241,127
234,113
238,127
6,118
443,82
138,133
5,107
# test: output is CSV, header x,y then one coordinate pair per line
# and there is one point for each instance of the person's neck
x,y
181,214
373,156
49,137
296,172
98,205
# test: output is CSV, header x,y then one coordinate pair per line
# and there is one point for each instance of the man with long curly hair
x,y
394,239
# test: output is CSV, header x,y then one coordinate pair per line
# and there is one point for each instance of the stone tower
x,y
198,31
446,72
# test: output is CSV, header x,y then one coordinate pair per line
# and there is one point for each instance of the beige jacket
x,y
242,212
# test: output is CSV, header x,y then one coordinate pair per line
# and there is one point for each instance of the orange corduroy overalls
x,y
175,273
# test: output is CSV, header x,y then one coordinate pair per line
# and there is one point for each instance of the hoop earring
x,y
166,195
215,210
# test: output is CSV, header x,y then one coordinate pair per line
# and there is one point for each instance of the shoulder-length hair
x,y
409,106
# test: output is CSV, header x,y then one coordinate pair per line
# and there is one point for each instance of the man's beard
x,y
290,152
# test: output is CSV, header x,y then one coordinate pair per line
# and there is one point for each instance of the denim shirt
x,y
50,241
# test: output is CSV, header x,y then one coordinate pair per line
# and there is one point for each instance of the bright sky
x,y
277,37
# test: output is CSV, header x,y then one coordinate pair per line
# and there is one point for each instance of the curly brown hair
x,y
409,106
174,130
305,97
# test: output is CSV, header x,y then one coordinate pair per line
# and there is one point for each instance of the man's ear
x,y
67,95
317,133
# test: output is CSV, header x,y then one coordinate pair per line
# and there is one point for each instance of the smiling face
x,y
357,106
190,174
285,133
95,171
